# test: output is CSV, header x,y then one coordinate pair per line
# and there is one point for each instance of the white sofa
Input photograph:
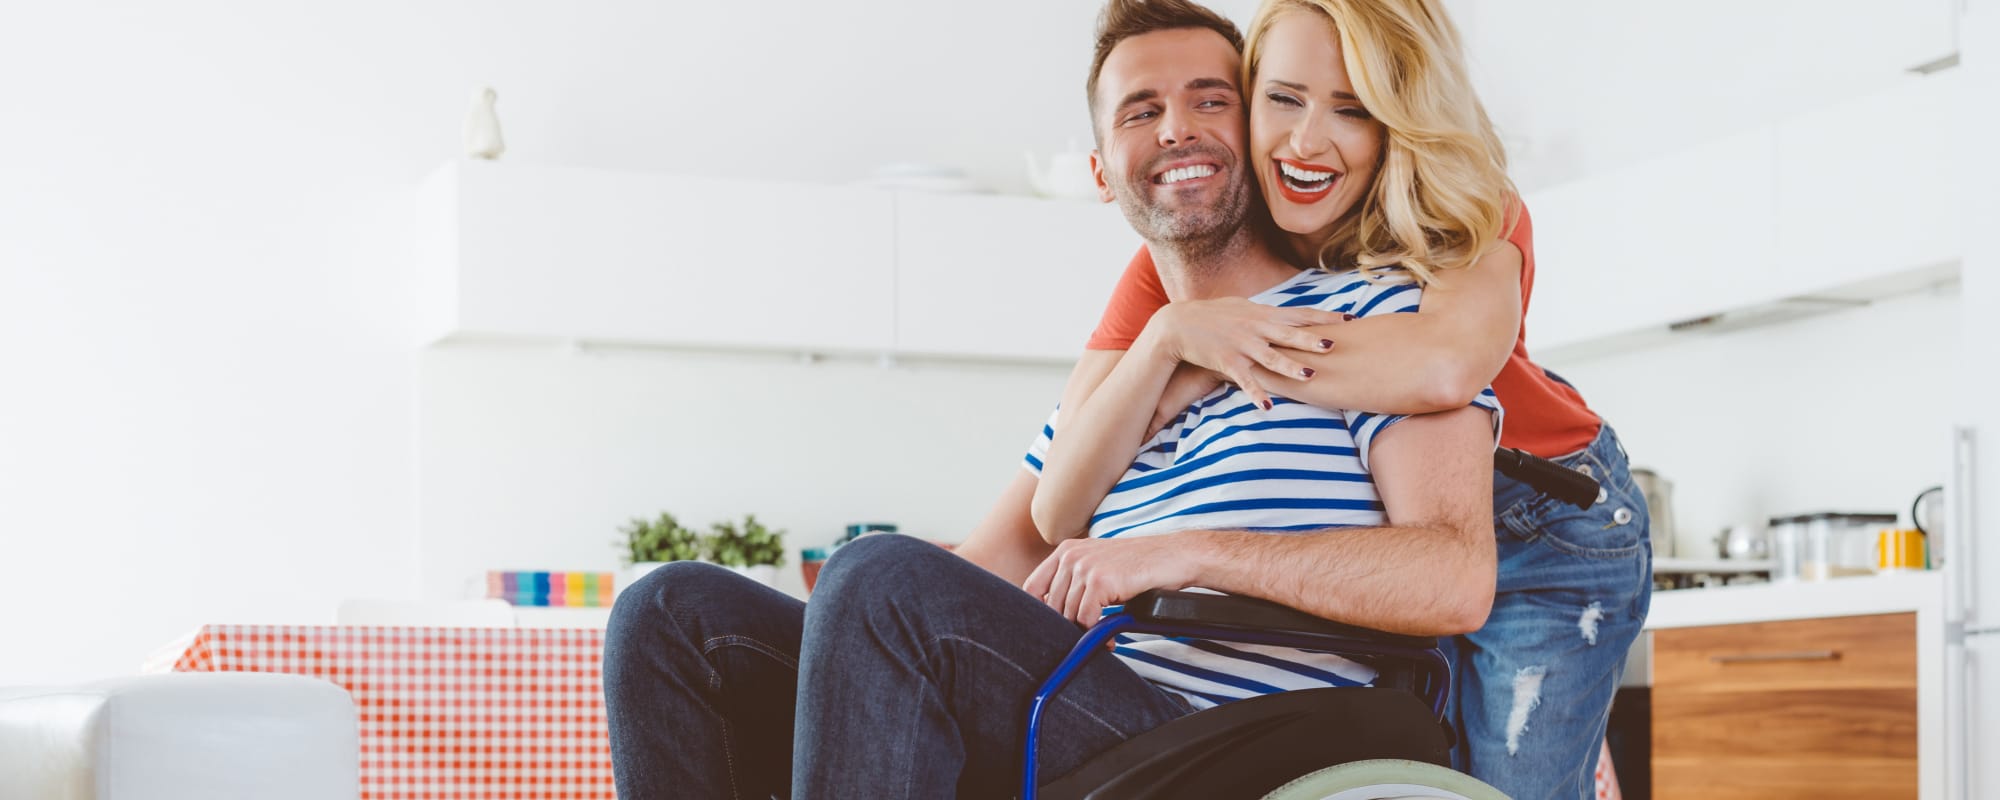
x,y
180,736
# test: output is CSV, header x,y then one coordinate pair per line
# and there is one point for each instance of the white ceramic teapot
x,y
1068,175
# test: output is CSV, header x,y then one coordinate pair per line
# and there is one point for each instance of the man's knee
x,y
883,565
645,608
669,585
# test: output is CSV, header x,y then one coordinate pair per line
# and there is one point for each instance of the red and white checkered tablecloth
x,y
463,713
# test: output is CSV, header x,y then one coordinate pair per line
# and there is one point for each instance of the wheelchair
x,y
1279,746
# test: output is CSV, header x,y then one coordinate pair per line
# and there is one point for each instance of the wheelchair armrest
x,y
1253,614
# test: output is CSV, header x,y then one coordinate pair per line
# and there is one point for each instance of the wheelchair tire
x,y
1385,779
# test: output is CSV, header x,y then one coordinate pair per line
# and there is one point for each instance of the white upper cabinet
x,y
1655,243
583,254
1831,206
1006,277
527,252
1848,38
1870,185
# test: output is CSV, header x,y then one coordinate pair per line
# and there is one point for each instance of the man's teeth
x,y
1187,173
1302,175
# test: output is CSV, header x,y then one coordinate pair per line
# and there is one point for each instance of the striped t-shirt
x,y
1226,464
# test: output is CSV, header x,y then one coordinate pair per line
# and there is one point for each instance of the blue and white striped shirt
x,y
1226,464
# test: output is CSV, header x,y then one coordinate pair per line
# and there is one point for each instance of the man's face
x,y
1170,135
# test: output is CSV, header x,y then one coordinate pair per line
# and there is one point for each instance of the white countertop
x,y
1764,602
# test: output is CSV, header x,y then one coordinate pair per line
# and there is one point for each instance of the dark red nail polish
x,y
1326,344
1306,372
1267,405
1347,318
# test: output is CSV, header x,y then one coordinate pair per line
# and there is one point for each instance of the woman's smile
x,y
1302,182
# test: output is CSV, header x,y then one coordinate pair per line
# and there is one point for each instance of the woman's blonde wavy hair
x,y
1442,196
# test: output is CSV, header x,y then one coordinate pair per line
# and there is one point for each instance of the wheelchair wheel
x,y
1385,779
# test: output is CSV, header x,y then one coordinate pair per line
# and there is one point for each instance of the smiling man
x,y
909,674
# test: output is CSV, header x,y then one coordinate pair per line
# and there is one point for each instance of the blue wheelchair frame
x,y
1429,663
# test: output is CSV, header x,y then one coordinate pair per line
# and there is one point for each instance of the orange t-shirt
x,y
1545,415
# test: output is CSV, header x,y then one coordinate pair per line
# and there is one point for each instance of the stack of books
x,y
554,589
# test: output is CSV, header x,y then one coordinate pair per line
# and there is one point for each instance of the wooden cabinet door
x,y
1823,708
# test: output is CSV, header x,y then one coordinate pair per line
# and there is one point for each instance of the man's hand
x,y
1084,575
1233,336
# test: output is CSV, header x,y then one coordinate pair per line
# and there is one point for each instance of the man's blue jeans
x,y
1532,689
908,676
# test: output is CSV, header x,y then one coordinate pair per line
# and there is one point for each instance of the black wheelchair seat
x,y
1247,748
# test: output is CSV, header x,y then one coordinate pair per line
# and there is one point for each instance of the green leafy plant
x,y
747,545
660,539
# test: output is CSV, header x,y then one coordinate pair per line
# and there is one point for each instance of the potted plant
x,y
650,543
749,548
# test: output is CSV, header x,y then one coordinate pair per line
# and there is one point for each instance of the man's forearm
x,y
1422,581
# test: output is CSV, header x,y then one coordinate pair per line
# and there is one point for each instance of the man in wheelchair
x,y
912,671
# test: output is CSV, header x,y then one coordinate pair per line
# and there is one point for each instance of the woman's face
x,y
1314,147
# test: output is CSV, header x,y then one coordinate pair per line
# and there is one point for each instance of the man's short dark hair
x,y
1124,19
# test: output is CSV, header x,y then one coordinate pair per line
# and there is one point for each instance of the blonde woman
x,y
1373,153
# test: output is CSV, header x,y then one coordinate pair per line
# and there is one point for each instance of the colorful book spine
x,y
552,589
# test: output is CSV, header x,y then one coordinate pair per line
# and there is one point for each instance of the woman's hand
x,y
1232,336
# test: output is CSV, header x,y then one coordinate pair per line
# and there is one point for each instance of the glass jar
x,y
1787,546
1825,544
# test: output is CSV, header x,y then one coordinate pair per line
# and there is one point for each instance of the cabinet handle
x,y
1795,655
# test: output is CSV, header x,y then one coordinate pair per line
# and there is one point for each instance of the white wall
x,y
209,409
209,401
1848,411
531,457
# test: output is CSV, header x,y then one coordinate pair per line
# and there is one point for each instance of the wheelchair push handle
x,y
1548,477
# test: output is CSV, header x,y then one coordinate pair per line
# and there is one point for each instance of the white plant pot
x,y
766,574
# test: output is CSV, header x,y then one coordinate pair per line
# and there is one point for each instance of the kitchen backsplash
x,y
1843,412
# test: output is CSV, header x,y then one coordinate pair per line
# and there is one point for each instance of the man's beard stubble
x,y
1192,232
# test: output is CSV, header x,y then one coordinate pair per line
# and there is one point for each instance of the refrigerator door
x,y
1975,739
1972,533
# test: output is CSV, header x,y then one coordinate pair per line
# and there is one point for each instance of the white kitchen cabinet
x,y
1006,277
556,253
1868,185
1631,249
1839,205
1858,37
522,251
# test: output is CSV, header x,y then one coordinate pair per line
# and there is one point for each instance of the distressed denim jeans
x,y
907,676
1532,689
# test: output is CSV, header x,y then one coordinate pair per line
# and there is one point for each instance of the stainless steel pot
x,y
1659,494
1743,541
